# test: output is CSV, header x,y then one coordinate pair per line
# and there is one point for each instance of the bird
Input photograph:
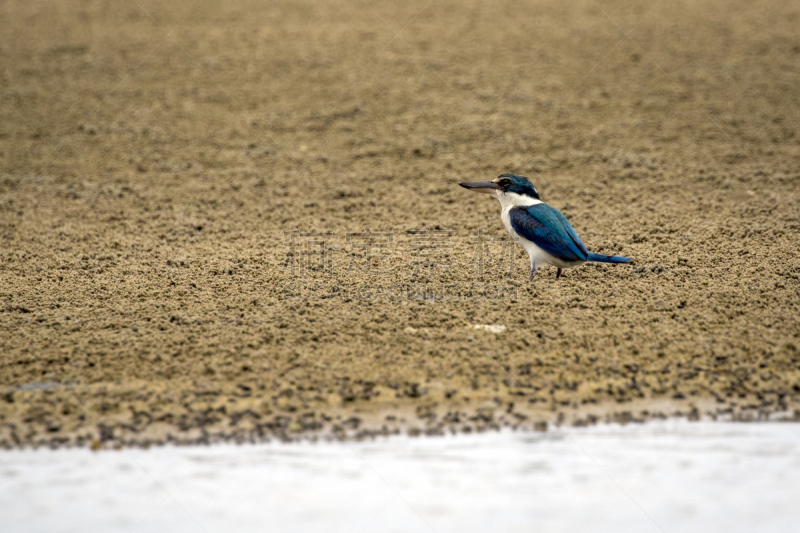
x,y
540,229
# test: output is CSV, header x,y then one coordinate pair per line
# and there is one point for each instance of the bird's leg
x,y
534,268
558,273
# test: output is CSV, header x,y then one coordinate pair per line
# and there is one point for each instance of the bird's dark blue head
x,y
506,183
517,184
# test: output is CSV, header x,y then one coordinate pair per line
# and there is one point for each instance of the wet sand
x,y
242,221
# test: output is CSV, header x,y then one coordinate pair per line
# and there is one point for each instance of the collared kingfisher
x,y
541,230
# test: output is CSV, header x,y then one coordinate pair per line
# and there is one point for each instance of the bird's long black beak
x,y
486,187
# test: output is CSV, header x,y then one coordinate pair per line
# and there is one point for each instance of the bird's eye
x,y
505,182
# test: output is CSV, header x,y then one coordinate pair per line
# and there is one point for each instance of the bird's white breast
x,y
538,256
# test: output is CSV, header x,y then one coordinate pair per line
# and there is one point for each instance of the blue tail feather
x,y
601,258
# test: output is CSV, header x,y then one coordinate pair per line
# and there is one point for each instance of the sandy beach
x,y
241,221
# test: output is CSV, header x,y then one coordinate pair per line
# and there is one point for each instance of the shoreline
x,y
358,425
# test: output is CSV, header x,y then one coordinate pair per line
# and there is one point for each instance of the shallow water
x,y
662,476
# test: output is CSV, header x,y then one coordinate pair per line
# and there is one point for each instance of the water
x,y
663,476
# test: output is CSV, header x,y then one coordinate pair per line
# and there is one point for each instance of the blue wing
x,y
548,229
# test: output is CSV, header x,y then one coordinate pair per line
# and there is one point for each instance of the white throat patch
x,y
512,199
